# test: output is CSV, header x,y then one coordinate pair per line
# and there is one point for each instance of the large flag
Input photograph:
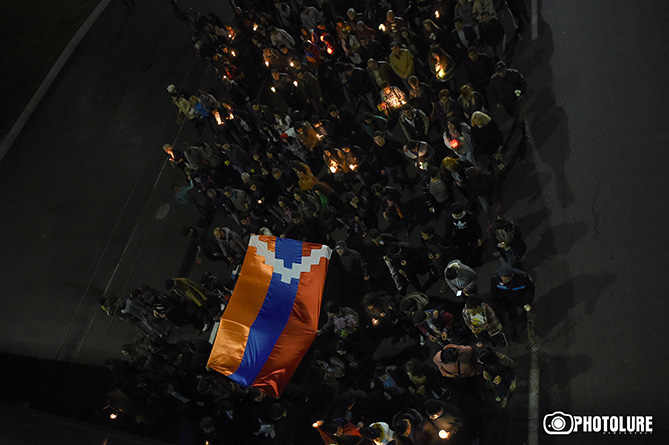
x,y
273,313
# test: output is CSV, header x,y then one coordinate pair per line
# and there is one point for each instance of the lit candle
x,y
217,116
255,26
352,166
234,54
295,82
436,14
113,416
375,321
382,27
273,89
266,63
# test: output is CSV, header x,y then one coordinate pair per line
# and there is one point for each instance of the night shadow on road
x,y
583,290
556,240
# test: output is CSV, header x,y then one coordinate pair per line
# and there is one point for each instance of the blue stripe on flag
x,y
273,315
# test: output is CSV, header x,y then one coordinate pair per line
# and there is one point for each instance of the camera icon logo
x,y
558,423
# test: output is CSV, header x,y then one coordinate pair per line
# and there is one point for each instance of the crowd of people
x,y
356,125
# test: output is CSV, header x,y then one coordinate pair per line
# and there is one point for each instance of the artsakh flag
x,y
273,313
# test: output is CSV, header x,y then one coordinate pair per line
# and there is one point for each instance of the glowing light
x,y
382,27
322,37
234,54
113,416
266,63
333,168
295,82
436,14
255,26
217,116
232,116
292,64
330,50
352,166
273,89
375,321
455,143
444,434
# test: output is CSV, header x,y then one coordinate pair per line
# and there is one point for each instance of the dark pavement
x,y
81,186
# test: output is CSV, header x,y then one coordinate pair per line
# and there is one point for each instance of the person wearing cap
x,y
407,262
352,260
389,154
510,291
507,87
466,231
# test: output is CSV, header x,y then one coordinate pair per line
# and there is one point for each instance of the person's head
x,y
449,163
385,86
434,409
341,247
370,432
457,211
500,68
480,119
372,64
449,355
485,16
466,91
453,124
473,53
428,25
452,271
167,148
444,94
403,427
395,48
276,411
408,111
390,16
458,24
351,14
473,305
419,317
486,356
333,111
379,138
505,273
333,429
427,233
219,233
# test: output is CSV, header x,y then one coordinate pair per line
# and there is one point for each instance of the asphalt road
x,y
81,186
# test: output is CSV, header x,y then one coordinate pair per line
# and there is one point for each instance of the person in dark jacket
x,y
507,87
480,68
467,234
498,370
511,291
509,244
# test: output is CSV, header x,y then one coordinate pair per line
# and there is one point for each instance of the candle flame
x,y
436,14
382,27
273,89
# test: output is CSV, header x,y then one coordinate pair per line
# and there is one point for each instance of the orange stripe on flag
x,y
245,303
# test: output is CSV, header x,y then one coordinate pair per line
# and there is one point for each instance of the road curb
x,y
16,129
